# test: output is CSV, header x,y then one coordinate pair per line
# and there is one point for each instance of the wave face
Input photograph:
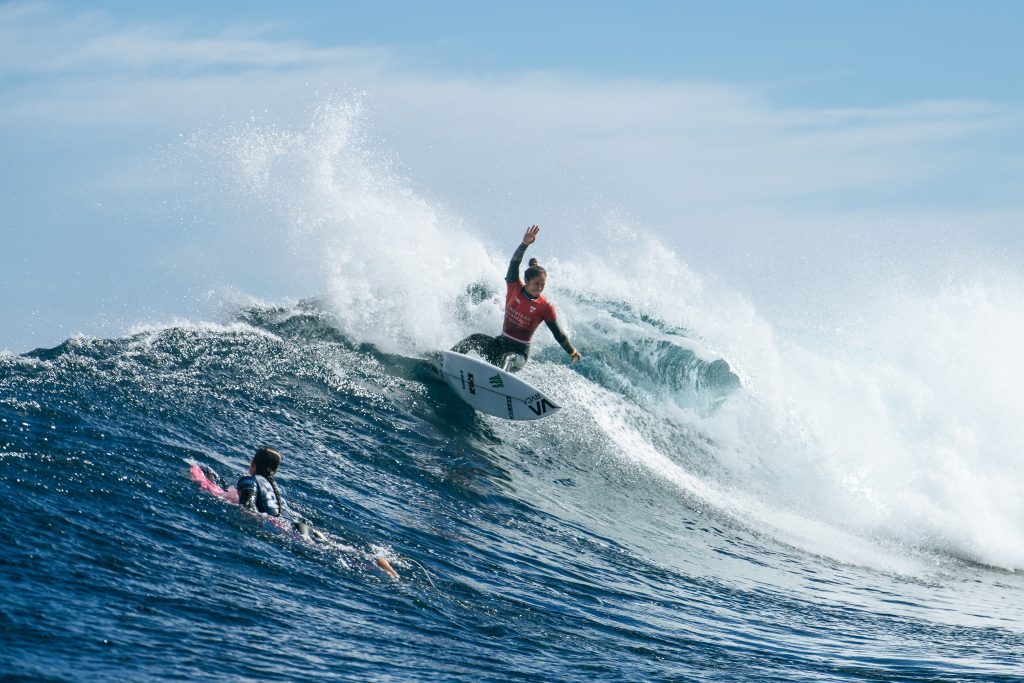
x,y
603,542
715,501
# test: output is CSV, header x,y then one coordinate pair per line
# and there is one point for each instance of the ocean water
x,y
717,500
611,541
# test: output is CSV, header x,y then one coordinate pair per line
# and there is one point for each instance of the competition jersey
x,y
523,315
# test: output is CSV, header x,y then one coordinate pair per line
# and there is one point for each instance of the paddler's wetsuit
x,y
523,315
256,491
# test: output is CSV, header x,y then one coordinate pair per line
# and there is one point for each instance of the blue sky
x,y
834,53
729,129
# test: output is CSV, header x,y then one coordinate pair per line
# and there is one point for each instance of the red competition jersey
x,y
523,315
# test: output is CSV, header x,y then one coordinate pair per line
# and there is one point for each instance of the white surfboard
x,y
492,390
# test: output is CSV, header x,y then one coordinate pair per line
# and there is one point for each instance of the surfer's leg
x,y
386,567
510,355
308,532
481,343
511,361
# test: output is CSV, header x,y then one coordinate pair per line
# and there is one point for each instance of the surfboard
x,y
493,391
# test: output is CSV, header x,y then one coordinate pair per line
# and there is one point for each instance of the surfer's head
x,y
535,278
265,462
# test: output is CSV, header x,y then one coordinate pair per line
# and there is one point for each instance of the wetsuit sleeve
x,y
513,266
560,336
246,487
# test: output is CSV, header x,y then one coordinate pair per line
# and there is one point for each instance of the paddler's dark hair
x,y
534,270
265,462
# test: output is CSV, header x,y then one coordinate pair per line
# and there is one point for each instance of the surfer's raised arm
x,y
517,258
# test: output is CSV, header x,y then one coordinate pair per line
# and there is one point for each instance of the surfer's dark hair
x,y
265,462
534,270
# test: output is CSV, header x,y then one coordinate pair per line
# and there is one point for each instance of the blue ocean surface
x,y
607,542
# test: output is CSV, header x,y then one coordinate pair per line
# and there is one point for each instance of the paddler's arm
x,y
563,339
517,258
246,488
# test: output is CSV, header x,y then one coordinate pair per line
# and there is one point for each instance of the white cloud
x,y
36,39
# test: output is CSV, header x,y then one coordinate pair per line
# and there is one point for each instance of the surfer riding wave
x,y
525,309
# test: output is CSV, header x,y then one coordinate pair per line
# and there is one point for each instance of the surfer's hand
x,y
575,357
531,234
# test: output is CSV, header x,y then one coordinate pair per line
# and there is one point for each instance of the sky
x,y
775,145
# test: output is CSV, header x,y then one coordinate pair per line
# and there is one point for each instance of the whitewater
x,y
719,499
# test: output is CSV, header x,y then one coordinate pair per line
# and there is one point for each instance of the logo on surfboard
x,y
493,392
542,407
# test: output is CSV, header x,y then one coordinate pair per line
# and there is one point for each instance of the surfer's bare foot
x,y
387,568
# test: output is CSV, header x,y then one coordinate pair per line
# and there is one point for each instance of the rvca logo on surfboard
x,y
491,391
541,407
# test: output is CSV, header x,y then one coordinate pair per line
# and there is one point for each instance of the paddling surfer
x,y
259,492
